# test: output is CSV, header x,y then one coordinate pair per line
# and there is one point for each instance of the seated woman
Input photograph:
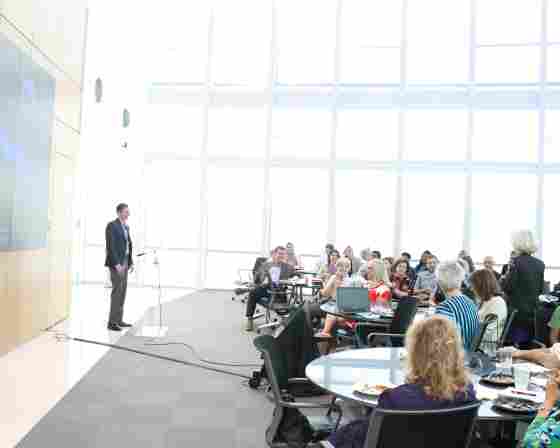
x,y
436,378
486,290
378,282
456,306
544,431
399,278
389,262
293,259
337,279
328,269
355,262
378,292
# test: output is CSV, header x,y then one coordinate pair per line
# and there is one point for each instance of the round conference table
x,y
370,317
338,372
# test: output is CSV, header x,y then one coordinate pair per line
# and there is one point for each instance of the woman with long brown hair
x,y
487,291
400,281
436,377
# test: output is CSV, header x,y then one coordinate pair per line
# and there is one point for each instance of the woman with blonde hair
x,y
378,282
436,378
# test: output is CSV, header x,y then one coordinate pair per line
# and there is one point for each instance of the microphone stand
x,y
156,331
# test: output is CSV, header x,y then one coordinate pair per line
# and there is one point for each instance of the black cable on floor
x,y
205,361
153,355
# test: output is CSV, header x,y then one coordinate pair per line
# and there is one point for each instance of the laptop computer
x,y
352,300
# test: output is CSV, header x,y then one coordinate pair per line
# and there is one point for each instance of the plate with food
x,y
498,379
516,405
372,390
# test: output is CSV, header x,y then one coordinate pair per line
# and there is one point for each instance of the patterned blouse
x,y
544,432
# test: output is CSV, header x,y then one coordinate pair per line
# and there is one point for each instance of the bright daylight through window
x,y
395,125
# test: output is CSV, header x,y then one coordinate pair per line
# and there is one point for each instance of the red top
x,y
380,293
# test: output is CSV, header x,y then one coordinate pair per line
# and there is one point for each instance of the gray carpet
x,y
128,400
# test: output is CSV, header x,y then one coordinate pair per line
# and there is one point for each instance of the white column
x,y
467,228
331,228
267,198
397,242
541,131
203,229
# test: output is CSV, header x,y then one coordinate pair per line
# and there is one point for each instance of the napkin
x,y
520,394
533,368
486,393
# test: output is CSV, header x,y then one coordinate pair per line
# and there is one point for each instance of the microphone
x,y
141,254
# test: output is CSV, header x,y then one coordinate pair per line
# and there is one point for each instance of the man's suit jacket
x,y
287,271
115,245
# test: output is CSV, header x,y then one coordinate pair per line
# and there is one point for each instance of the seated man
x,y
261,294
489,264
457,307
410,273
426,283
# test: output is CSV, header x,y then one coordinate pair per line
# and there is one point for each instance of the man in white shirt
x,y
426,283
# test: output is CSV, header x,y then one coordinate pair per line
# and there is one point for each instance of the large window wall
x,y
390,124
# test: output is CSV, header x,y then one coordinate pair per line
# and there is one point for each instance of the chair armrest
x,y
378,325
392,335
537,344
306,405
299,381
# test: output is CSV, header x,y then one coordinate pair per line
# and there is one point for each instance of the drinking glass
x,y
504,357
521,377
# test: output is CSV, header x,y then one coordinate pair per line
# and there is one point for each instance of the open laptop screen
x,y
352,300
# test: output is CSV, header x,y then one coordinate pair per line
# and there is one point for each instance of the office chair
x,y
393,334
276,366
441,428
477,341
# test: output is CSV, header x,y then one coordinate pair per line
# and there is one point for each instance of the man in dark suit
x,y
264,280
118,247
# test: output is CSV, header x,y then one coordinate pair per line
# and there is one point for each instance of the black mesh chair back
x,y
477,341
442,428
507,328
404,314
275,363
280,430
378,336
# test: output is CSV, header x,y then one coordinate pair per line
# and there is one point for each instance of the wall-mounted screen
x,y
26,122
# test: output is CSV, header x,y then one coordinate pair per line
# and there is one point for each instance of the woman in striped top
x,y
457,307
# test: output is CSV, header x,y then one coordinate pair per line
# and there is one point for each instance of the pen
x,y
530,394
